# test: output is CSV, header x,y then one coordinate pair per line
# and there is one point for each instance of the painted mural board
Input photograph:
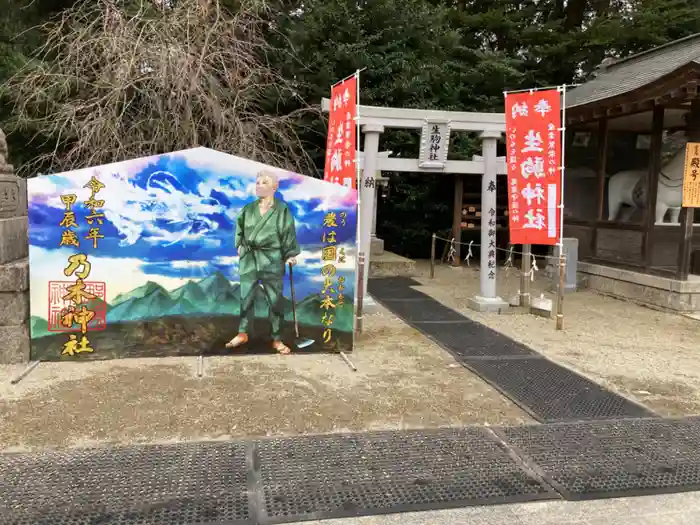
x,y
183,253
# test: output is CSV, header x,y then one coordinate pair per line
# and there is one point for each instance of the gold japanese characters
x,y
73,304
332,295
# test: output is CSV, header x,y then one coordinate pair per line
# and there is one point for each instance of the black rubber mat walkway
x,y
547,391
269,481
612,459
263,481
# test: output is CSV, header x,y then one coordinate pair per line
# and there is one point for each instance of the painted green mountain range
x,y
213,296
38,327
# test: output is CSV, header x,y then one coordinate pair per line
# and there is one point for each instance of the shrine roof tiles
x,y
634,72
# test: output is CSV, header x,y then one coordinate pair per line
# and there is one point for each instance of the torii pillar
x,y
367,191
487,300
376,244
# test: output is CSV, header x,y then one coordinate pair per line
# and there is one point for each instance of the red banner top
x,y
533,134
341,146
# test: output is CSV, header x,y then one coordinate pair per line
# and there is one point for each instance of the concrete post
x,y
571,259
367,192
487,300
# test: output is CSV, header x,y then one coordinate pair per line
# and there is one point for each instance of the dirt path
x,y
403,381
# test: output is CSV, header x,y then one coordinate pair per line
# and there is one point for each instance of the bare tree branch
x,y
119,80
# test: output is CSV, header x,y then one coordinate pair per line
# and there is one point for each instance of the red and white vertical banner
x,y
534,157
341,146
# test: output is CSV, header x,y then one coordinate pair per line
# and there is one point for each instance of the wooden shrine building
x,y
622,119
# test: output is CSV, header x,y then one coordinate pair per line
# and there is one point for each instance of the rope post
x,y
560,291
360,293
525,277
445,248
432,257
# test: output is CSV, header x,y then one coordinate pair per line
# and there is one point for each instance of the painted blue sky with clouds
x,y
175,214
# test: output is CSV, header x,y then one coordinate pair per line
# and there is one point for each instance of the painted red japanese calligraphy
x,y
63,295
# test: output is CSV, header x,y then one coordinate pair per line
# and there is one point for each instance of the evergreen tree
x,y
20,36
442,54
414,57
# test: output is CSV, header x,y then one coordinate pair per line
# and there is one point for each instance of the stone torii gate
x,y
435,127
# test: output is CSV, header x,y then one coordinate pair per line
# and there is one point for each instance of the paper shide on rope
x,y
533,268
453,251
469,253
509,261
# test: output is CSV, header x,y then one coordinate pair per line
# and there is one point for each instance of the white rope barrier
x,y
470,254
470,244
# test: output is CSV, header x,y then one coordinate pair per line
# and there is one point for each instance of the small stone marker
x,y
570,269
541,306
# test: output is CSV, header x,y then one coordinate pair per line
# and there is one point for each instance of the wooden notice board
x,y
691,176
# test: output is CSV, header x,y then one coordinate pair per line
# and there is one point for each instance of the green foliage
x,y
458,55
118,80
415,57
20,37
440,54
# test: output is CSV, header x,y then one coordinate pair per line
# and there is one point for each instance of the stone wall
x,y
649,290
14,267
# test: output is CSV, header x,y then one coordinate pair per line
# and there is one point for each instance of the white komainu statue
x,y
630,188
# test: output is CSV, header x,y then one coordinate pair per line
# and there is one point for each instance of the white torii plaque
x,y
434,143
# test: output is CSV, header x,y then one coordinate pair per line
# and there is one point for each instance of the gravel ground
x,y
403,381
647,355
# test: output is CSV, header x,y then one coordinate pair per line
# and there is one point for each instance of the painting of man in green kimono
x,y
266,241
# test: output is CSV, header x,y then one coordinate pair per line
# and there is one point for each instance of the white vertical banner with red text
x,y
342,163
534,157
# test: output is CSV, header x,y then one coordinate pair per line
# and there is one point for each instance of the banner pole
x,y
356,73
562,257
357,139
525,300
359,264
